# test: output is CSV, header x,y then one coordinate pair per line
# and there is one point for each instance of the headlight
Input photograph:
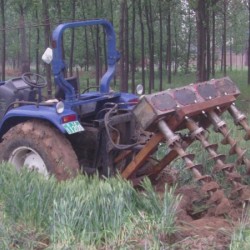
x,y
59,107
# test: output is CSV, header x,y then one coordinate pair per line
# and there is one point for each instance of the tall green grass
x,y
241,236
84,213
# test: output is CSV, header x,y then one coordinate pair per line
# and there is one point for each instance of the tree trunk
x,y
86,41
121,47
72,45
176,65
189,43
3,57
104,51
37,44
161,45
149,21
25,67
126,47
98,52
47,43
59,11
87,49
103,58
169,45
248,54
142,44
111,11
208,70
213,44
231,55
222,55
111,4
225,38
133,63
201,41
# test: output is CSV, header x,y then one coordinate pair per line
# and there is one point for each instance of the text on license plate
x,y
73,127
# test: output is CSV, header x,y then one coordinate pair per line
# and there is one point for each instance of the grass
x,y
89,213
84,213
241,237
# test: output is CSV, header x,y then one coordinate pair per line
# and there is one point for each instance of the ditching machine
x,y
111,132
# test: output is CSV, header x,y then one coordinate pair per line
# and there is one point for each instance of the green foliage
x,y
162,210
183,23
241,236
87,212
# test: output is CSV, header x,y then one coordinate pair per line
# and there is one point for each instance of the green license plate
x,y
73,127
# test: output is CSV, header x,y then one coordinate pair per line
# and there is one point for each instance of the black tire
x,y
43,141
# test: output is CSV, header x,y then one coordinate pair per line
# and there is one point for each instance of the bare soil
x,y
198,226
201,229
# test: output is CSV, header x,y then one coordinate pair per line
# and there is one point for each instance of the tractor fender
x,y
28,112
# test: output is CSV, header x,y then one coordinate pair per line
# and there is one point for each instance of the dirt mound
x,y
199,228
205,233
203,224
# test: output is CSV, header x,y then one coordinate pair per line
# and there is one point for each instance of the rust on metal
x,y
142,156
194,108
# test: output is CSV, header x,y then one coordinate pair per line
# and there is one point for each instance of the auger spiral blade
x,y
211,187
240,119
199,134
220,126
219,159
173,141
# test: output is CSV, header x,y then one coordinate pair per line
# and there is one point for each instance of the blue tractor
x,y
108,132
80,130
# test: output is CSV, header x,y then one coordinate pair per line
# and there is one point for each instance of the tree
x,y
142,46
248,53
47,43
150,32
123,84
73,10
169,42
213,44
133,59
190,32
25,66
224,39
37,42
161,43
201,22
202,9
151,41
3,47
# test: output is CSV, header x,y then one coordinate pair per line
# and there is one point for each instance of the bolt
x,y
218,108
204,113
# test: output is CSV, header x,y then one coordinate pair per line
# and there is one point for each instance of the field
x,y
93,213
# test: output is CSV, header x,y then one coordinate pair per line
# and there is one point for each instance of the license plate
x,y
73,127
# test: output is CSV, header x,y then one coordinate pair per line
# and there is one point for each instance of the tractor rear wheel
x,y
41,147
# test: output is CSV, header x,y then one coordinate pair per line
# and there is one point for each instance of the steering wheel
x,y
34,80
